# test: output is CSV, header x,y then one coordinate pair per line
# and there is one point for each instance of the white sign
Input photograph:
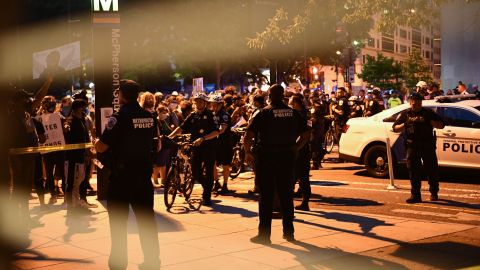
x,y
105,114
53,129
197,85
105,5
63,58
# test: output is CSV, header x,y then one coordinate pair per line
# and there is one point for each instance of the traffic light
x,y
314,71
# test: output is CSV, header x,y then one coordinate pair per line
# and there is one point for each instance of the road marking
x,y
398,191
458,216
443,208
386,184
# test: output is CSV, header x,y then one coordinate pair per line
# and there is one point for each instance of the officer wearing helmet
x,y
201,125
375,105
422,88
129,140
224,148
420,142
356,109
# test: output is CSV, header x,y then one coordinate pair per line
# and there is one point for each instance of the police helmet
x,y
415,96
421,84
215,99
352,98
200,95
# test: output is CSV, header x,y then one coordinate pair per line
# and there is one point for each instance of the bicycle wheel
x,y
329,141
171,187
237,163
188,181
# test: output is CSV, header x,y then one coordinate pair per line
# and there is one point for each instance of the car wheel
x,y
376,161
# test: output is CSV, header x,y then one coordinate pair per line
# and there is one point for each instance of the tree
x,y
382,71
415,70
389,13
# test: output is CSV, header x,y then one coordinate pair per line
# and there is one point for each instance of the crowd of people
x,y
208,118
229,108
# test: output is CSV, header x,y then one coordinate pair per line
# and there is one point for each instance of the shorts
x,y
162,158
224,153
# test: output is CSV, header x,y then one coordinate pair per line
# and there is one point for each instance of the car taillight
x,y
345,128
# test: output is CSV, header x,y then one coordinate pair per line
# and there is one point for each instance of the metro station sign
x,y
105,5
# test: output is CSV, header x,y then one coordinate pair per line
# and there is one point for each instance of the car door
x,y
458,144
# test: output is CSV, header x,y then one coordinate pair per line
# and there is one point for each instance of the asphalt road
x,y
346,186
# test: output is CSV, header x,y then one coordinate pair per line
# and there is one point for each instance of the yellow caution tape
x,y
48,149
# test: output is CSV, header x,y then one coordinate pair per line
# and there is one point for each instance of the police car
x,y
458,144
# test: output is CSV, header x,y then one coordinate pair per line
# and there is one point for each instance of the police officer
x,y
418,123
356,109
201,126
129,139
341,111
375,105
225,143
281,132
302,164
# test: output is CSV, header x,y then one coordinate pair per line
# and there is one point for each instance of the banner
x,y
197,85
63,58
53,129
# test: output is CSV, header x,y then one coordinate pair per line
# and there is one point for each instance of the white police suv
x,y
458,144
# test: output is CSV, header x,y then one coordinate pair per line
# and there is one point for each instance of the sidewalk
x,y
217,237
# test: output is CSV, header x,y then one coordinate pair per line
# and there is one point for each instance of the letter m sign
x,y
105,5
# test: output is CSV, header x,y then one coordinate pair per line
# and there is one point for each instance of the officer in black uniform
x,y
225,142
341,111
375,105
355,107
201,126
418,123
281,132
129,139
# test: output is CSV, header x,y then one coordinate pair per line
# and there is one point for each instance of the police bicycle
x,y
238,159
331,137
179,176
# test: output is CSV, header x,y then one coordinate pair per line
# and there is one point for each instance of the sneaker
x,y
414,199
289,237
261,240
314,168
52,200
303,207
434,197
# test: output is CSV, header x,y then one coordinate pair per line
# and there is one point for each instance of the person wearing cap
x,y
201,125
420,142
225,143
129,139
375,105
281,133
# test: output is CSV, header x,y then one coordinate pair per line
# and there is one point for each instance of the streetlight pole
x,y
338,53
